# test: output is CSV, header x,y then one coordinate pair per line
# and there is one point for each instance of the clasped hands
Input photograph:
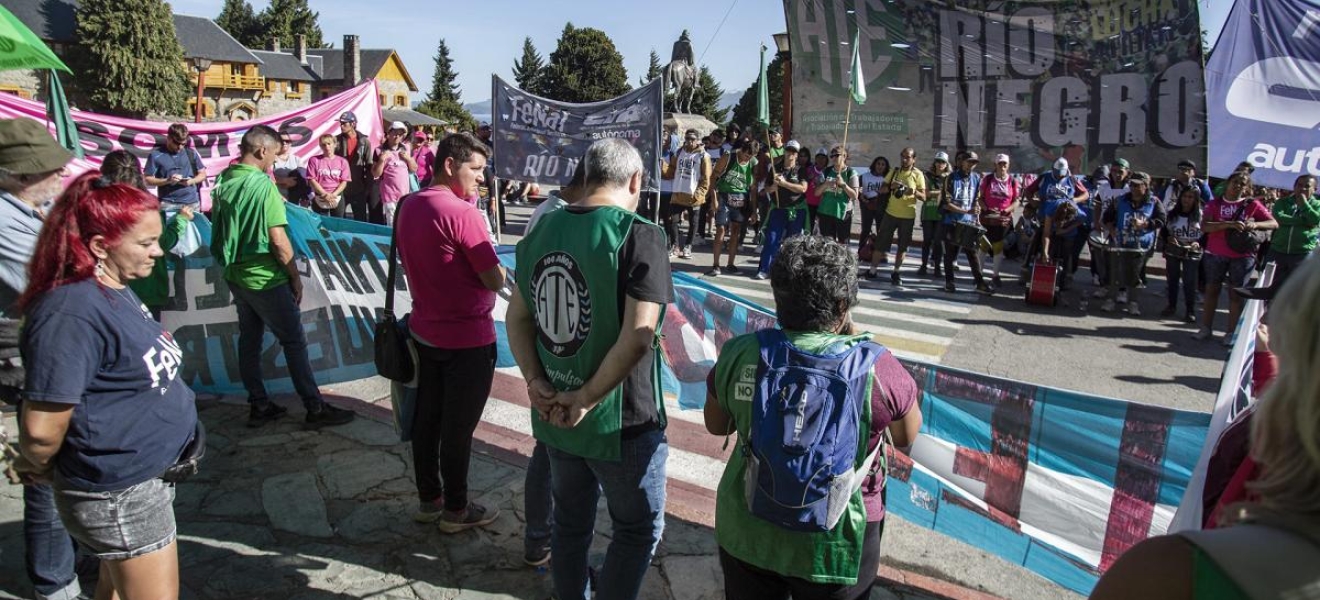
x,y
560,409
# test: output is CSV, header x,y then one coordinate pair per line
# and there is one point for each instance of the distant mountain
x,y
729,100
482,107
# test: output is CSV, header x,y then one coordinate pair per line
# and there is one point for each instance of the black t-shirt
x,y
99,349
643,275
796,175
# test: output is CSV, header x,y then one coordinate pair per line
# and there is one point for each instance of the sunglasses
x,y
835,155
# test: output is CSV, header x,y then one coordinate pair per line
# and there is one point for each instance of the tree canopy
x,y
283,19
445,100
744,113
585,67
129,62
527,70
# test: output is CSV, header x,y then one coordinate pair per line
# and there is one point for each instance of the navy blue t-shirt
x,y
162,164
99,349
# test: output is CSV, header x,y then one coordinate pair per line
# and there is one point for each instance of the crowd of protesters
x,y
79,262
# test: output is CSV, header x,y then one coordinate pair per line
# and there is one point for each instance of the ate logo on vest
x,y
562,304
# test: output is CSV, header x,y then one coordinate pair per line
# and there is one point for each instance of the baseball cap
x,y
1186,163
27,148
1061,166
1001,158
484,125
822,151
419,135
1122,162
941,156
398,125
348,117
1140,177
972,156
775,130
792,145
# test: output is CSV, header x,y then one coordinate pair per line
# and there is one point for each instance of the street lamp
x,y
200,65
785,51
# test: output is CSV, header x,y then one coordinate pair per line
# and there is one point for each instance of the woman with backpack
x,y
1270,545
767,549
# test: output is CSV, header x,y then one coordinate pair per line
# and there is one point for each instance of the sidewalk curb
x,y
685,501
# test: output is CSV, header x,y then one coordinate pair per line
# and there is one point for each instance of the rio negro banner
x,y
1034,79
1263,86
216,143
541,140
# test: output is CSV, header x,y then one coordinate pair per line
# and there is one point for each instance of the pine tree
x,y
585,67
706,100
653,69
130,62
238,18
286,18
444,102
527,70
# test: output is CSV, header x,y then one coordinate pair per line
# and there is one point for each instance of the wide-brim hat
x,y
27,148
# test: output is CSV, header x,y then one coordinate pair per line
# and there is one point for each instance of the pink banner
x,y
216,143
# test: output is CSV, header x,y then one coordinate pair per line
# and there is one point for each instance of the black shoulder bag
x,y
393,360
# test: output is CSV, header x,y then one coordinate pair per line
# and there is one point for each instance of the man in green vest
x,y
593,281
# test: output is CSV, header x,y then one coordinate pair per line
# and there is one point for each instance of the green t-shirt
x,y
246,204
737,178
835,203
154,289
832,557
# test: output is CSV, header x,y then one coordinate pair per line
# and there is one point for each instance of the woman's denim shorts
x,y
119,524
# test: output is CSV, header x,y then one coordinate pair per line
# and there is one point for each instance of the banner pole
x,y
847,118
772,167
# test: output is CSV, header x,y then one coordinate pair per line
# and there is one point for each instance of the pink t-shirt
x,y
998,195
328,172
444,245
425,158
1220,210
394,179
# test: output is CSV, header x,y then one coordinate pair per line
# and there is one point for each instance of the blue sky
x,y
486,36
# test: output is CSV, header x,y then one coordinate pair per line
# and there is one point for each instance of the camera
x,y
898,190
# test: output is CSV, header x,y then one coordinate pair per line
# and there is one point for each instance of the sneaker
x,y
475,515
326,416
870,273
984,290
429,512
673,253
1134,309
895,278
537,557
1108,306
996,281
957,267
948,287
732,269
922,272
1100,293
1168,311
264,412
713,272
1201,333
1190,317
760,276
1122,297
687,253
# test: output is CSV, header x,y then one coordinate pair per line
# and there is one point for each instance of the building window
x,y
207,111
382,99
293,87
401,100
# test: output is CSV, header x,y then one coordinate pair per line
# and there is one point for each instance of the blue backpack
x,y
808,414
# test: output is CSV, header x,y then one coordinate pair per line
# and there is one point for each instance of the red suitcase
x,y
1044,285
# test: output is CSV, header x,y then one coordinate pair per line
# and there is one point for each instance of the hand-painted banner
x,y
1034,79
1056,481
216,143
1261,86
538,139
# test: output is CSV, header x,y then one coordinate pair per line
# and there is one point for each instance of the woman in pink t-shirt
x,y
328,175
999,192
391,166
424,157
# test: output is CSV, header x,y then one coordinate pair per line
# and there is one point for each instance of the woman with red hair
x,y
105,415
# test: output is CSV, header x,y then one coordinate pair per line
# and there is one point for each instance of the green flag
x,y
57,112
22,49
857,86
763,95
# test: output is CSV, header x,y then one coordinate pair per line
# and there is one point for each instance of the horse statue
x,y
680,75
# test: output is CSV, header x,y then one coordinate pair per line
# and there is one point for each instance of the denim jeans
x,y
779,228
1183,274
634,490
273,308
538,503
50,553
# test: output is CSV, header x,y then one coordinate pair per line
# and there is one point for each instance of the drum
x,y
967,235
1180,252
995,219
1125,265
1044,286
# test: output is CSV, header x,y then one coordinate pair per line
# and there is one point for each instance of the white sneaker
x,y
1122,298
1201,333
1095,280
687,253
1134,309
1107,306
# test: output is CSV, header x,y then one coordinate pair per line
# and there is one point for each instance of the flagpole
x,y
847,118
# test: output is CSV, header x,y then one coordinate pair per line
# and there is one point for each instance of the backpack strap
x,y
1265,560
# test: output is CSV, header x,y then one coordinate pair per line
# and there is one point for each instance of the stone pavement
x,y
279,512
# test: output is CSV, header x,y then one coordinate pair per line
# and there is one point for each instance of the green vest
x,y
831,557
568,274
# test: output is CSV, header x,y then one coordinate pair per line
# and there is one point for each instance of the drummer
x,y
961,208
1131,223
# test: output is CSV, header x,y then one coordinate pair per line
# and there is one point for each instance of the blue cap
x,y
348,117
